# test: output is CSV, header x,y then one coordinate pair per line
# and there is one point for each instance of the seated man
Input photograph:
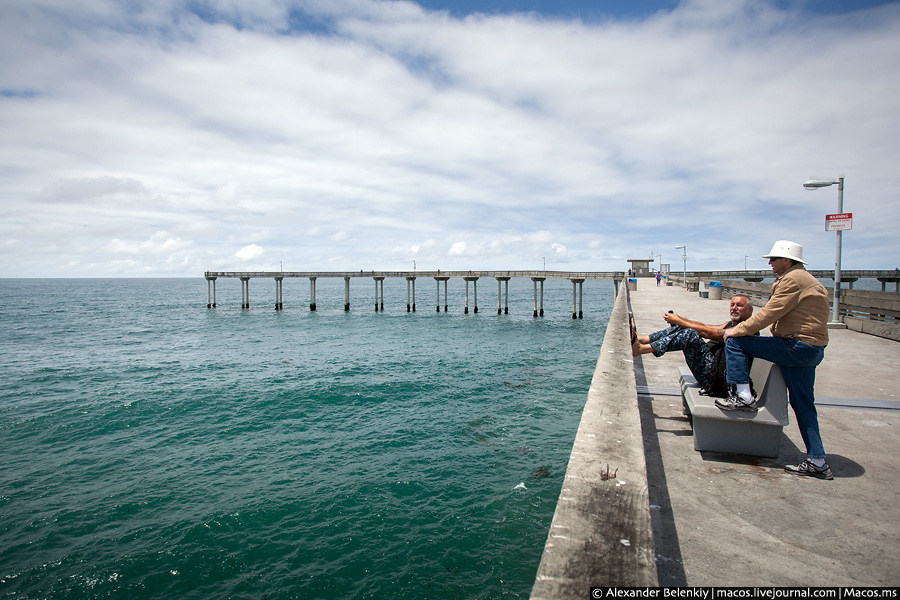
x,y
687,336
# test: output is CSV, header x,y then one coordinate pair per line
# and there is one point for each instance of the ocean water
x,y
152,448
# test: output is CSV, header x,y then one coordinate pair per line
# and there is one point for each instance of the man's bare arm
x,y
710,332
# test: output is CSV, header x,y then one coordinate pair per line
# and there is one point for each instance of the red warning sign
x,y
839,222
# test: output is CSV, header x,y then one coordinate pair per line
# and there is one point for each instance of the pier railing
x,y
849,277
876,313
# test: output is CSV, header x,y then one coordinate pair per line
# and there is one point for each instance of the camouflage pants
x,y
696,352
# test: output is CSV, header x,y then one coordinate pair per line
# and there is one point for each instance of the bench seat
x,y
754,433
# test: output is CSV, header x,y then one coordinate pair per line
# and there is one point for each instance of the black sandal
x,y
634,334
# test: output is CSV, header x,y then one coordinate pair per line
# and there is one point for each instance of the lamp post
x,y
684,258
746,256
814,184
659,268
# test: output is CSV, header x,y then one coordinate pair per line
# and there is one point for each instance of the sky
x,y
157,138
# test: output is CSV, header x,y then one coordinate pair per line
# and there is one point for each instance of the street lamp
x,y
814,184
746,256
684,258
659,268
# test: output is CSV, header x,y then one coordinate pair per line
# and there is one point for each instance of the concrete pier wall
x,y
601,531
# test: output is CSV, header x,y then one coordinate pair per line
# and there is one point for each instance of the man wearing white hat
x,y
798,312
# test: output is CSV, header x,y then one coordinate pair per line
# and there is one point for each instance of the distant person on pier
x,y
658,278
706,360
798,311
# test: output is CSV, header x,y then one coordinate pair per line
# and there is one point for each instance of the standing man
x,y
798,311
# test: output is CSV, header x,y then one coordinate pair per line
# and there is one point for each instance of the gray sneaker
x,y
808,469
735,402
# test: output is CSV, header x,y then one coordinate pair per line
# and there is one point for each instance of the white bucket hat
x,y
786,249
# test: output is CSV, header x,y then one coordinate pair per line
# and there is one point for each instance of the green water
x,y
156,449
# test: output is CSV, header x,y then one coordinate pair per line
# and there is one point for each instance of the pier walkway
x,y
640,507
730,520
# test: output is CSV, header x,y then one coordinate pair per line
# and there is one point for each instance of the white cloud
x,y
458,249
497,139
250,252
161,242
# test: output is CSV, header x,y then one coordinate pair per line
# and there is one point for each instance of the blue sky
x,y
592,10
168,137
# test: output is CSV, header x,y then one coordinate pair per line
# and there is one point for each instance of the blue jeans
x,y
798,361
696,352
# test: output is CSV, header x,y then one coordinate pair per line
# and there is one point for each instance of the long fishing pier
x,y
502,277
538,278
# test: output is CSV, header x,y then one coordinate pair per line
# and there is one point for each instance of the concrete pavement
x,y
731,520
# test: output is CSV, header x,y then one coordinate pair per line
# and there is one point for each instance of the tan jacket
x,y
797,309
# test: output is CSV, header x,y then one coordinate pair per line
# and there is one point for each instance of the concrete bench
x,y
754,433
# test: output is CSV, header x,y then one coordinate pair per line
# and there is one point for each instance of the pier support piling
x,y
312,293
439,280
411,282
279,291
379,283
536,280
210,292
884,281
579,285
466,311
245,292
346,294
500,281
474,281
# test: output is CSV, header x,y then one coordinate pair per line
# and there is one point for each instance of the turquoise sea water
x,y
156,449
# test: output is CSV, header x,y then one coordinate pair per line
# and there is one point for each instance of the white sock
x,y
819,462
743,390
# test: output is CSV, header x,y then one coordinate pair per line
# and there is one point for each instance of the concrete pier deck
x,y
731,520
